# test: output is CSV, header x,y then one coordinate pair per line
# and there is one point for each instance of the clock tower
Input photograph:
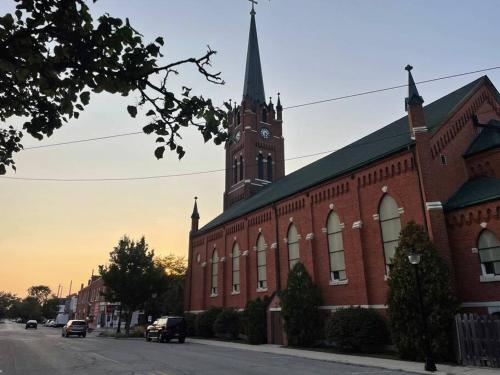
x,y
255,149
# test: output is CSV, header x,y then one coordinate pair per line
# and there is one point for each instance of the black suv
x,y
167,328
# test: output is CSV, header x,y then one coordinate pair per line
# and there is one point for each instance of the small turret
x,y
413,105
195,216
279,108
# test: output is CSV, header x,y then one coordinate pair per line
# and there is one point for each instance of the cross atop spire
x,y
253,89
253,6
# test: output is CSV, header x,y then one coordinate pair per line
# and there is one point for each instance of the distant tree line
x,y
39,304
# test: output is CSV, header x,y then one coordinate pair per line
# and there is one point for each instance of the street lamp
x,y
430,365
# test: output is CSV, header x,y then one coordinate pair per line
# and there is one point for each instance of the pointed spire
x,y
413,96
195,214
254,84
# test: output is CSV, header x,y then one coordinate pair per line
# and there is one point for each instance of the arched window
x,y
261,263
236,268
489,253
215,271
390,226
235,171
241,168
269,168
293,246
260,167
335,248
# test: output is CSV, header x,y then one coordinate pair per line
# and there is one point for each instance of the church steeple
x,y
195,216
253,89
414,97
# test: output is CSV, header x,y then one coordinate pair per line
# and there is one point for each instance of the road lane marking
x,y
103,357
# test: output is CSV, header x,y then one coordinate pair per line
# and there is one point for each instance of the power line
x,y
357,144
285,108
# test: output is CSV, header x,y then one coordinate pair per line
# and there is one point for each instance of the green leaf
x,y
132,110
159,152
85,97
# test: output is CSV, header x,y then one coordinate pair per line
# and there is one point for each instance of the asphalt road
x,y
44,351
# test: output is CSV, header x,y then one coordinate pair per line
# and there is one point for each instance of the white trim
x,y
223,259
474,250
213,295
263,181
357,224
261,290
339,282
376,217
245,253
324,230
401,210
235,293
204,264
274,245
309,236
483,225
332,307
332,206
256,184
275,309
195,311
238,188
489,278
384,189
437,205
421,129
481,304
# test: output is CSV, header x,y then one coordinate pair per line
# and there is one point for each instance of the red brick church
x,y
341,215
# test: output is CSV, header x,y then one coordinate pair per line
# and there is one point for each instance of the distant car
x,y
167,328
49,323
19,320
75,327
31,324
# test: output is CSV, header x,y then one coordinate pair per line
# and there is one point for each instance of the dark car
x,y
31,324
74,327
167,328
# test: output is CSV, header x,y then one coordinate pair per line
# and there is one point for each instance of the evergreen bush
x,y
356,329
440,303
205,321
256,327
191,324
299,307
226,324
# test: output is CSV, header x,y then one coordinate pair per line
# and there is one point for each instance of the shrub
x,y
206,320
138,331
256,328
440,303
227,324
299,307
191,324
356,329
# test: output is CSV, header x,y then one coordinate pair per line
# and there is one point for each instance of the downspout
x,y
277,263
422,197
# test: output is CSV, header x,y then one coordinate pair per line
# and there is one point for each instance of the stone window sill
x,y
489,278
261,290
213,295
339,282
234,293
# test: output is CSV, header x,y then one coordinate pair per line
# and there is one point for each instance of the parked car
x,y
75,327
167,328
31,324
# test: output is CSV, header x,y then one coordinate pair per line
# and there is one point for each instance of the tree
x,y
50,307
256,322
39,292
439,301
131,277
6,302
54,55
299,306
171,300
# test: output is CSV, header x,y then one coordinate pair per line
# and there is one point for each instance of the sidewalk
x,y
389,364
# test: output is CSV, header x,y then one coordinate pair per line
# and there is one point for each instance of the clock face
x,y
265,133
237,136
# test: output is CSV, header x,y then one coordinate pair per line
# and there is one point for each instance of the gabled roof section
x,y
254,84
488,139
375,146
479,190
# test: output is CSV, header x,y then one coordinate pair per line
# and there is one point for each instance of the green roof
x,y
486,140
474,192
377,145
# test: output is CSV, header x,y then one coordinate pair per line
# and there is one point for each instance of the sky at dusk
x,y
56,232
